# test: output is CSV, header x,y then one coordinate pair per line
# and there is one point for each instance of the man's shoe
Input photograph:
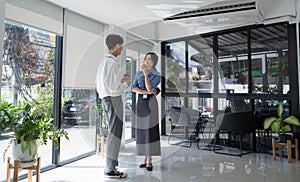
x,y
115,174
143,165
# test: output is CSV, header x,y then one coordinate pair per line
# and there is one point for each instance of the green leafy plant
x,y
279,124
103,127
29,123
101,116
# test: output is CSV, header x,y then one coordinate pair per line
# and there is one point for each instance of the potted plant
x,y
31,126
281,125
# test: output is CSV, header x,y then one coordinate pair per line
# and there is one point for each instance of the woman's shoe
x,y
143,165
150,167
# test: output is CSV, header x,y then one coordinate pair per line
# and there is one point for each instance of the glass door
x,y
134,53
129,101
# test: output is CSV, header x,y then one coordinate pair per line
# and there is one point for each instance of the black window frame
x,y
292,96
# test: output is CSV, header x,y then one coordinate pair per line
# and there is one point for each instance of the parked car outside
x,y
75,110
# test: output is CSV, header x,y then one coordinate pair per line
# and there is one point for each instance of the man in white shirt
x,y
111,84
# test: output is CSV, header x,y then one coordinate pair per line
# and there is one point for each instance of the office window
x,y
83,51
269,54
175,67
250,65
271,105
233,61
79,117
28,73
201,55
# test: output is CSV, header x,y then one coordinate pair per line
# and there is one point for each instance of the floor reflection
x,y
182,164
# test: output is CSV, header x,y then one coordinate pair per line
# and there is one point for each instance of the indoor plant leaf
x,y
29,123
268,122
276,126
292,120
286,128
279,111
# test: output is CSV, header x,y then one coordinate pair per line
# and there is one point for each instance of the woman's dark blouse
x,y
139,80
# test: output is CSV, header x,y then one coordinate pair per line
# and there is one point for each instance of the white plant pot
x,y
28,157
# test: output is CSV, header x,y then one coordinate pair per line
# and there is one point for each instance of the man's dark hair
x,y
112,40
154,58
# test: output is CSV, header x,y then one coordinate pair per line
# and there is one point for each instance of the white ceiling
x,y
134,14
120,12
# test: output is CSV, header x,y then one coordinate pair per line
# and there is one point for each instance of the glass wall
x,y
200,54
233,61
131,57
169,103
176,74
79,98
269,55
233,70
28,74
134,52
79,117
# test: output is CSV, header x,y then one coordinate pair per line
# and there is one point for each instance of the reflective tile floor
x,y
182,164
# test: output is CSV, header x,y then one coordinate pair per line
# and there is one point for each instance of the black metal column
x,y
57,93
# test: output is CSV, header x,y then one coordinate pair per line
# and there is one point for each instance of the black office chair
x,y
234,124
184,118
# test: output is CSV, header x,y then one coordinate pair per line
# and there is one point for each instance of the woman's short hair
x,y
154,58
112,40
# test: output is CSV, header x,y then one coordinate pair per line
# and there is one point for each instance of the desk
x,y
288,146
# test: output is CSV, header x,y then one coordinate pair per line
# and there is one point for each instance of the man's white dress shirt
x,y
109,76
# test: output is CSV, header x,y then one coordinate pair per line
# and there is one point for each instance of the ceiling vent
x,y
214,9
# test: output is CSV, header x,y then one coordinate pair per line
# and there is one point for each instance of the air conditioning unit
x,y
226,14
216,8
265,10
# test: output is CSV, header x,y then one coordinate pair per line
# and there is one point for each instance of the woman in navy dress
x,y
147,126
